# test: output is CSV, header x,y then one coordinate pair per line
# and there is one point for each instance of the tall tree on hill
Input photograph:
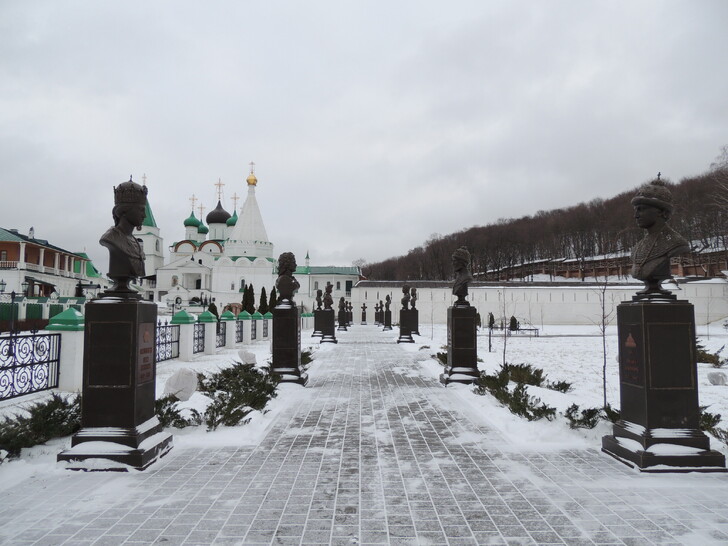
x,y
263,305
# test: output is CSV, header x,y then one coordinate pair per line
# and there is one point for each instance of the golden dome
x,y
252,181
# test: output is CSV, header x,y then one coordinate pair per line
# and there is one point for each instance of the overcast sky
x,y
372,124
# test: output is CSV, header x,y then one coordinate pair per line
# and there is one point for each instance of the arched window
x,y
315,285
156,245
338,285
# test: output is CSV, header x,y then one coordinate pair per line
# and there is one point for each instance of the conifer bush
x,y
586,418
235,392
518,401
52,418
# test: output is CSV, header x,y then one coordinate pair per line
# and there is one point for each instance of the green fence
x,y
5,311
33,311
55,309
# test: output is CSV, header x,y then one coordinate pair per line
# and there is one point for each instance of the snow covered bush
x,y
518,401
171,415
235,392
52,418
586,418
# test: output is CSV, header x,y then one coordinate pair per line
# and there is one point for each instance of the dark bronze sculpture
x,y
405,296
286,283
651,256
342,304
461,265
126,258
318,299
388,301
413,297
328,299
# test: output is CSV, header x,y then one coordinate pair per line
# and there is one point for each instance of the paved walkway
x,y
378,454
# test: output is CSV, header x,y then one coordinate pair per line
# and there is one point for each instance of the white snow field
x,y
374,450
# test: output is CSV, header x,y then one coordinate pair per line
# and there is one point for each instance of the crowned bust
x,y
653,206
126,258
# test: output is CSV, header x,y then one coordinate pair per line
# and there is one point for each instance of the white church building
x,y
215,262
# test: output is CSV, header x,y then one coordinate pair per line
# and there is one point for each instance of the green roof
x,y
149,220
192,221
91,270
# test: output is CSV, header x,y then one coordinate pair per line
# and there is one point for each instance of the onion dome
x,y
233,219
192,221
218,215
252,180
203,229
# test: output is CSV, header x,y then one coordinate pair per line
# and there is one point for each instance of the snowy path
x,y
376,452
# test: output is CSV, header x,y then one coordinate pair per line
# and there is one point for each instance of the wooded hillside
x,y
588,229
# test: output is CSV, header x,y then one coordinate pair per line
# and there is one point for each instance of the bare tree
x,y
606,316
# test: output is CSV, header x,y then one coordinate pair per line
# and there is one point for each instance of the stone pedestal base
x,y
328,326
405,332
387,320
318,319
659,430
343,320
363,318
462,348
118,424
286,345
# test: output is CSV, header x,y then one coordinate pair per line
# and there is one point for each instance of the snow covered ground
x,y
565,353
570,353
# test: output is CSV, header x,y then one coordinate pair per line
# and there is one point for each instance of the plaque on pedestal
x,y
659,429
405,332
286,346
328,326
387,320
118,424
318,319
462,348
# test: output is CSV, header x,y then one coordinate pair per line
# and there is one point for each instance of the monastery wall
x,y
539,305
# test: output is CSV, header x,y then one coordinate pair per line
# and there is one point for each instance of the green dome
x,y
233,219
192,221
203,229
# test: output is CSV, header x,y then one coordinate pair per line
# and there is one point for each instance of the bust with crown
x,y
126,257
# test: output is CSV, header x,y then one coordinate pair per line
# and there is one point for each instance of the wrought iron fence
x,y
265,328
220,333
238,331
198,339
28,363
253,329
167,341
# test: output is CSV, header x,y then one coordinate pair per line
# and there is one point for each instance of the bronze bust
x,y
461,266
328,299
405,297
126,258
286,283
413,295
651,256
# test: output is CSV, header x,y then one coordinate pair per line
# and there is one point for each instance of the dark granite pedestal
x,y
328,326
405,331
342,320
363,318
318,320
286,345
659,429
118,426
462,348
387,320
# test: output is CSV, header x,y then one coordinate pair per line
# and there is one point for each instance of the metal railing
x,y
198,338
167,342
28,363
221,330
238,331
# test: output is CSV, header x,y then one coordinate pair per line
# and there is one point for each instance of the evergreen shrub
x,y
586,418
52,418
235,392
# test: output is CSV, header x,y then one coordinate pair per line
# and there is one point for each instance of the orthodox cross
x,y
219,186
144,179
193,200
235,199
252,167
202,208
